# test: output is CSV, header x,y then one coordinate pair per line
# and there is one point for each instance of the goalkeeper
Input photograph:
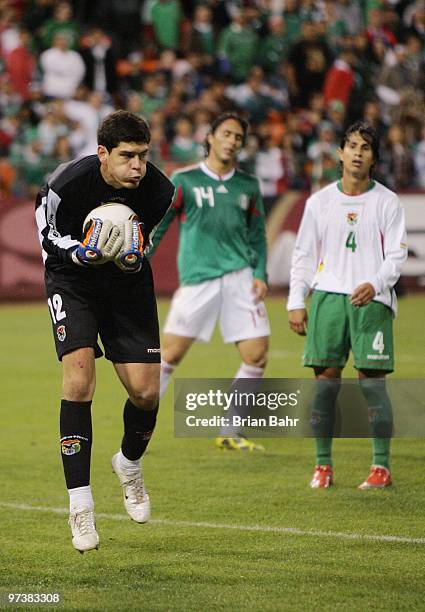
x,y
221,261
101,285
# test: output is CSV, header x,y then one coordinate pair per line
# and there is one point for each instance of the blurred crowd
x,y
299,70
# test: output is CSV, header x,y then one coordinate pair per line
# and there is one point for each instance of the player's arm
x,y
160,229
305,260
100,242
52,241
258,245
395,254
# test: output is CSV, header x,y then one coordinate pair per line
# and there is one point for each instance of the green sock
x,y
323,418
323,451
381,451
380,418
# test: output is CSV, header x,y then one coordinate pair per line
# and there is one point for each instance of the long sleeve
x,y
175,209
305,259
257,237
395,250
52,242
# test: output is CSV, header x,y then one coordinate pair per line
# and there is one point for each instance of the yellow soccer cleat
x,y
238,443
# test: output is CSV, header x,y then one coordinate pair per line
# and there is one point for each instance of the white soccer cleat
x,y
136,498
83,528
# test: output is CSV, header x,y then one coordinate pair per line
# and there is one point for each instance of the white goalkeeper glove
x,y
101,243
130,256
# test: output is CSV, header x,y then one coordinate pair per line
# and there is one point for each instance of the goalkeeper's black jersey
x,y
74,189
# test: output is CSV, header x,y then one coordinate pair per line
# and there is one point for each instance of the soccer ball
x,y
110,211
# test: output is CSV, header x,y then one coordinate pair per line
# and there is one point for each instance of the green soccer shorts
x,y
335,327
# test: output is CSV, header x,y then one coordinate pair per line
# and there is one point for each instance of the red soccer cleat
x,y
379,478
322,477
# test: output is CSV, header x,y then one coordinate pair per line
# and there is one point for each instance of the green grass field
x,y
229,531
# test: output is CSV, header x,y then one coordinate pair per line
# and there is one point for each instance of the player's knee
x,y
145,398
78,389
79,375
327,389
257,361
257,357
171,359
172,355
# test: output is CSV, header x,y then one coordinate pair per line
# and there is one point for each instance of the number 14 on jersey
x,y
204,193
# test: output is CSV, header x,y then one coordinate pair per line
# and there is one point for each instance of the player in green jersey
x,y
350,248
221,262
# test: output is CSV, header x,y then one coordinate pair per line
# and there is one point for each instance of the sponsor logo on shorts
x,y
383,357
61,333
153,350
70,447
352,218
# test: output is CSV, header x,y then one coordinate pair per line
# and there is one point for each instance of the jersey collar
x,y
213,175
368,188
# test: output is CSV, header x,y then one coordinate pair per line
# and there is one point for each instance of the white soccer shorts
x,y
195,309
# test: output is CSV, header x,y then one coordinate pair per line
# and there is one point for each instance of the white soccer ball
x,y
110,211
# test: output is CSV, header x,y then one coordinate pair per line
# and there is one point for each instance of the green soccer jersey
x,y
221,224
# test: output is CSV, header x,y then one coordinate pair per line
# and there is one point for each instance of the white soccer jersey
x,y
344,241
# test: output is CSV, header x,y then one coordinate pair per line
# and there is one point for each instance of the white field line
x,y
256,528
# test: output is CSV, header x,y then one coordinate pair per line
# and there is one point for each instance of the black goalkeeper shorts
x,y
120,309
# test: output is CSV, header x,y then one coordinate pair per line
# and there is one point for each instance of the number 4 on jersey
x,y
351,241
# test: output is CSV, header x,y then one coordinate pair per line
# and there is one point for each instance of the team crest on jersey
x,y
70,447
61,333
352,218
244,201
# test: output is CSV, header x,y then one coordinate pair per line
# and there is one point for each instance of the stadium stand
x,y
299,70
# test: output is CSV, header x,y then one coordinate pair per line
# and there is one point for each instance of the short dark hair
x,y
122,126
367,132
221,119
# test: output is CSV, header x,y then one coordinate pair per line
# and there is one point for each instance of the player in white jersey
x,y
350,248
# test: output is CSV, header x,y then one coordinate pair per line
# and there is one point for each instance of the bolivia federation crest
x,y
351,218
70,447
61,333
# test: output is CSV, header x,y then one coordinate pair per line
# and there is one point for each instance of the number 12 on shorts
x,y
55,307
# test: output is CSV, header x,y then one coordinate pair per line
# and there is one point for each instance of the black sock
x,y
76,440
138,429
